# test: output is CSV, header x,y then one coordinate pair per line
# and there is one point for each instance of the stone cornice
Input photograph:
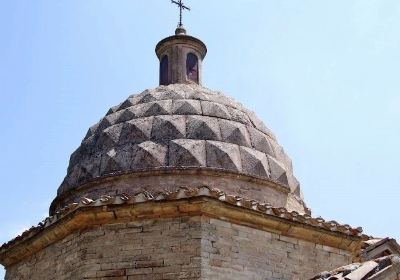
x,y
184,202
162,171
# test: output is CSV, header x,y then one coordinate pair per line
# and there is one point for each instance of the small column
x,y
181,58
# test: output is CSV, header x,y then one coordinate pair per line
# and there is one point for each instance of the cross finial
x,y
182,7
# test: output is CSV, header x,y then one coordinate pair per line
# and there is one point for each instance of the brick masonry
x,y
196,247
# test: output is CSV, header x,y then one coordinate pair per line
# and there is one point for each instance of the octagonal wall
x,y
178,248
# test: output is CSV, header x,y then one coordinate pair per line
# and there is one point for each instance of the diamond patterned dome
x,y
176,127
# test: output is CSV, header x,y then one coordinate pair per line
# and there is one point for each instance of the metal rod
x,y
182,7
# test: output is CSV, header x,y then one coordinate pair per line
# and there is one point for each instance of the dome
x,y
180,135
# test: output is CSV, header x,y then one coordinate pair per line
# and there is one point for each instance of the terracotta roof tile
x,y
182,193
362,271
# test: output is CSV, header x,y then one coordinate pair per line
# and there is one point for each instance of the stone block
x,y
104,123
235,133
260,141
186,107
196,93
149,154
259,124
111,273
109,137
138,271
223,155
278,172
89,168
186,152
136,131
156,108
239,116
213,109
254,162
119,159
126,104
145,97
170,94
112,110
92,130
204,128
166,128
126,115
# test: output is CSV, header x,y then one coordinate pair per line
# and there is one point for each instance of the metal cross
x,y
181,8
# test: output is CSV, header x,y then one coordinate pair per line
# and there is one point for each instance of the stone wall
x,y
233,251
166,249
177,248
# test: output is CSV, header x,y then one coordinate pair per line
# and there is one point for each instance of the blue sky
x,y
323,75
